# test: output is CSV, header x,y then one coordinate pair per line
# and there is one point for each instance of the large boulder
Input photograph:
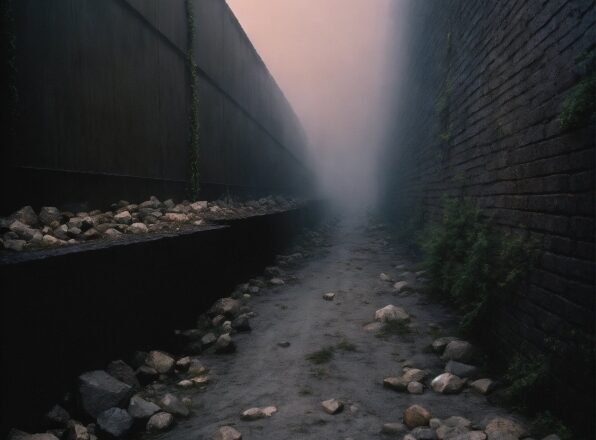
x,y
124,373
99,391
115,421
140,408
391,313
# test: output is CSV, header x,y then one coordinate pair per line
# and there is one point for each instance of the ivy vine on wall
x,y
193,138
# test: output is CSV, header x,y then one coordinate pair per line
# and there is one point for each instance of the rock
x,y
123,218
196,368
434,423
552,437
283,344
224,344
185,383
91,234
457,422
439,344
174,217
400,286
393,428
140,408
258,413
276,282
415,388
57,417
415,375
391,313
504,425
99,391
49,214
22,230
498,435
422,433
208,339
416,416
26,215
332,406
183,364
124,373
43,436
445,432
226,433
76,431
15,245
384,277
241,324
200,380
461,370
160,361
138,228
447,383
472,435
15,434
229,307
172,404
199,206
49,240
160,422
146,374
115,421
373,327
483,386
396,383
61,232
460,351
329,296
112,233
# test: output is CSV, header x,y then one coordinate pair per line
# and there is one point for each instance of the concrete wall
x,y
104,104
477,114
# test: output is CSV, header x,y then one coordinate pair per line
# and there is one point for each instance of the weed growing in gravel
x,y
346,345
305,392
395,328
322,356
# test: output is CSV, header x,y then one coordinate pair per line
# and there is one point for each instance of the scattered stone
x,y
196,368
160,422
61,232
209,339
434,423
226,433
422,433
160,361
445,432
115,421
123,218
200,380
416,416
258,413
276,282
22,230
43,436
391,313
14,245
49,214
415,375
503,425
447,383
138,228
473,435
99,391
415,388
146,374
460,351
483,386
26,215
332,406
241,324
329,296
175,217
393,428
172,404
461,370
183,364
140,408
199,206
57,417
457,422
400,286
76,431
373,327
185,383
91,234
283,344
226,327
218,320
229,307
439,344
124,373
49,240
224,344
384,277
396,383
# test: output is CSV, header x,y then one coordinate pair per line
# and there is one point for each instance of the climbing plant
x,y
193,138
579,106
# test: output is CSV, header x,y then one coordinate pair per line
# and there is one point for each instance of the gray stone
x,y
258,413
396,383
393,428
160,361
229,307
439,344
208,339
504,426
224,344
447,383
460,369
483,386
115,421
49,214
99,391
124,373
26,215
391,313
415,388
57,417
15,245
123,218
77,431
140,408
138,228
22,230
146,374
241,324
160,422
460,351
226,433
332,406
91,234
416,416
172,404
422,433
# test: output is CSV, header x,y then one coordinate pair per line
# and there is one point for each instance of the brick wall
x,y
483,84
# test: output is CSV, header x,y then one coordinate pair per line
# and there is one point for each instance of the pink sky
x,y
329,58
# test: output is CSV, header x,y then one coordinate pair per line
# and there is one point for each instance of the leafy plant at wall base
x,y
193,139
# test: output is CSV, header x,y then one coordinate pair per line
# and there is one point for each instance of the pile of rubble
x,y
51,227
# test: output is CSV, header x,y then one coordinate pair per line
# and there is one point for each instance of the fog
x,y
335,62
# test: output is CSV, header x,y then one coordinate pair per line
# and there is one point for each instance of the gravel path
x,y
261,373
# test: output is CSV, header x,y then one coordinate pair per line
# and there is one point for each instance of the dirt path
x,y
261,373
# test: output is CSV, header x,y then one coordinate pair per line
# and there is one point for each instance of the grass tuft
x,y
322,356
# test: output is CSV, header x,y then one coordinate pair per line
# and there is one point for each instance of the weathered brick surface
x,y
478,113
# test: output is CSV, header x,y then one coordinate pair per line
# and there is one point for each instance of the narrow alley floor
x,y
351,362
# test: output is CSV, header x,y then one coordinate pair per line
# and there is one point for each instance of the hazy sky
x,y
329,57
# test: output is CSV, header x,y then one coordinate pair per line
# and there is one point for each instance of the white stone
x,y
391,313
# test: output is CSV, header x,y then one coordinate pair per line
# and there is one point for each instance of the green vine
x,y
193,138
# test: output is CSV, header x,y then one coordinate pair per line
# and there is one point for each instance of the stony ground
x,y
353,362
